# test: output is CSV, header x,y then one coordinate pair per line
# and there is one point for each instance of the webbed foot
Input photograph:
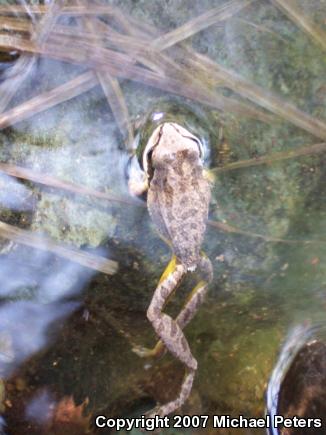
x,y
155,411
144,352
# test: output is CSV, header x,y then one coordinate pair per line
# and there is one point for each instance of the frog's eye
x,y
199,144
148,151
188,135
200,147
147,158
136,178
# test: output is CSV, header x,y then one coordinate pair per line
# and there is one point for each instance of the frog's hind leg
x,y
159,349
194,300
187,313
197,295
167,328
172,406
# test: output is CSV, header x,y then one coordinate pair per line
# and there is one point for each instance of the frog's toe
x,y
142,352
155,411
156,352
150,415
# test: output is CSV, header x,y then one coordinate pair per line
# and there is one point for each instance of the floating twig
x,y
112,90
16,24
74,11
316,33
119,65
200,23
44,243
263,97
50,181
48,99
275,157
260,28
24,64
226,228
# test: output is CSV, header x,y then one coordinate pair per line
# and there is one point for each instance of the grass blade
x,y
50,181
111,89
291,9
44,243
275,157
263,98
226,228
200,23
24,65
49,99
122,66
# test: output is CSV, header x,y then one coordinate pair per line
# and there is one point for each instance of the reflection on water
x,y
297,385
24,325
71,98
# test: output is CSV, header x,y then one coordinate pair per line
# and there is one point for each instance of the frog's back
x,y
178,200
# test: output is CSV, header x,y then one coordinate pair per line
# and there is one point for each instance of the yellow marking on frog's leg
x,y
209,176
170,268
137,187
191,306
159,349
167,328
197,295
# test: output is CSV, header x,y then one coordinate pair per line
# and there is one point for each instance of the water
x,y
66,331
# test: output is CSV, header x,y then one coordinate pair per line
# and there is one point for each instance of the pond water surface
x,y
66,330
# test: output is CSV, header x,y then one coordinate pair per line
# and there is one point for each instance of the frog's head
x,y
192,127
168,141
190,118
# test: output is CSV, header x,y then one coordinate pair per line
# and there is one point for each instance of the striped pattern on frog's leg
x,y
165,327
197,295
159,349
194,300
190,308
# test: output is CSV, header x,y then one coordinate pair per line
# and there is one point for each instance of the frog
x,y
178,195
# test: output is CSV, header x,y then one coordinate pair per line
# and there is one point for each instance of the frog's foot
x,y
144,352
210,176
172,406
153,412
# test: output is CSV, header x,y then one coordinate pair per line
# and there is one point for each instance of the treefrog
x,y
178,196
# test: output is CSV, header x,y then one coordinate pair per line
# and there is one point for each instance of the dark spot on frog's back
x,y
195,172
194,211
164,292
186,214
184,200
174,329
169,215
187,154
184,343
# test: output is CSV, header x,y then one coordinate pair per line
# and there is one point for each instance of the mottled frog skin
x,y
177,199
178,195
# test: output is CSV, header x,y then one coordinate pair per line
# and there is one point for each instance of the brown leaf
x,y
68,418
